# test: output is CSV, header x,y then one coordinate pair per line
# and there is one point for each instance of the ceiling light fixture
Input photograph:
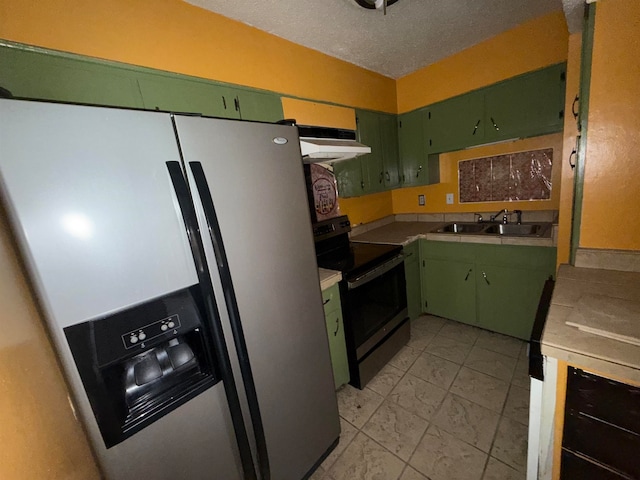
x,y
376,4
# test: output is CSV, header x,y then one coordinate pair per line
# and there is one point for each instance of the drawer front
x,y
605,443
604,399
331,299
573,467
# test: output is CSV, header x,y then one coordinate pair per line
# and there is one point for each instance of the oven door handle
x,y
375,272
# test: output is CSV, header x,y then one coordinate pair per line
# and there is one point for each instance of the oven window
x,y
375,303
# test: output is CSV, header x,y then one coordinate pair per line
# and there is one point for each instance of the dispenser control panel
x,y
137,337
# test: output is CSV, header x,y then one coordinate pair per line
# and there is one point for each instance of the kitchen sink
x,y
506,230
461,228
518,230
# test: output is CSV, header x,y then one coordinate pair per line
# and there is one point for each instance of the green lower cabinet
x,y
495,287
335,333
507,298
450,289
412,276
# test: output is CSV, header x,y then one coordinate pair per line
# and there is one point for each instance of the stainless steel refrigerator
x,y
172,258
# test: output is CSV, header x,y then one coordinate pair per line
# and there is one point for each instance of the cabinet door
x,y
390,158
184,95
413,156
509,282
335,333
372,163
41,76
349,177
449,289
456,123
412,275
508,298
448,280
525,106
259,106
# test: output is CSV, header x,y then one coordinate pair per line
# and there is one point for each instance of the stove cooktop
x,y
357,258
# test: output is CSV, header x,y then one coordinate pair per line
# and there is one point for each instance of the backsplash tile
x,y
515,176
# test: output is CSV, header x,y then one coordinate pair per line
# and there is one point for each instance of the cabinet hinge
x,y
423,264
561,114
357,120
563,76
426,304
400,123
430,142
429,115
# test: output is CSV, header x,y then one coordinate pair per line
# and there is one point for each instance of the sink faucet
x,y
505,219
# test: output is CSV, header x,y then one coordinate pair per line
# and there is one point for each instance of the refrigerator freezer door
x,y
93,209
258,189
90,195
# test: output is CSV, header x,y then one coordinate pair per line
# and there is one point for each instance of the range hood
x,y
329,145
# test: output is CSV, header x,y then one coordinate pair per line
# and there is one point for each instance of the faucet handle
x,y
479,217
518,216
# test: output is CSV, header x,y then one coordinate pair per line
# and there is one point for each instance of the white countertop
x,y
328,278
403,233
587,350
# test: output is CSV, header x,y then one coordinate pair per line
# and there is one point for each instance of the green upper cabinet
x,y
181,95
259,106
66,78
413,155
185,94
378,170
455,123
349,177
372,164
31,74
525,106
390,150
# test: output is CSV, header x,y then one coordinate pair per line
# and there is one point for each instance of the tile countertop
x,y
617,359
403,233
328,278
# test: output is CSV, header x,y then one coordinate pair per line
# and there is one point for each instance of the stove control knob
x,y
142,336
133,339
171,324
164,327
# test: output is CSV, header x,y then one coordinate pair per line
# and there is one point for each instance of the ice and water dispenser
x,y
140,363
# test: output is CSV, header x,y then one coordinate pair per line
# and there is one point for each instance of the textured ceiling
x,y
413,34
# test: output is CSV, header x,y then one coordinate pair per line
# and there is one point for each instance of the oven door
x,y
376,304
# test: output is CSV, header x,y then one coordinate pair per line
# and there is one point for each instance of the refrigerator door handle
x,y
222,355
234,315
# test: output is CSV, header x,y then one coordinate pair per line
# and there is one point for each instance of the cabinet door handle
x,y
337,327
236,102
224,102
475,128
419,170
388,176
485,278
468,273
326,301
574,154
494,124
573,107
362,184
407,255
381,177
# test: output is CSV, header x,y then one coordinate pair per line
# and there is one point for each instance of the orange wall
x,y
530,46
175,36
39,435
612,168
405,200
569,143
367,208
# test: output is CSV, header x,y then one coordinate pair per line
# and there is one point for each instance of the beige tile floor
x,y
453,404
